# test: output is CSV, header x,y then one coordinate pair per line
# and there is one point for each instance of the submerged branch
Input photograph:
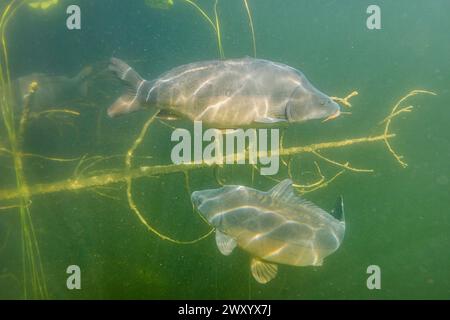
x,y
148,171
395,112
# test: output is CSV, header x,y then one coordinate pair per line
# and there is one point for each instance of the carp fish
x,y
53,91
274,227
226,93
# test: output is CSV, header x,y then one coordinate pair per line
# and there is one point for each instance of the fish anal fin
x,y
167,115
262,271
318,263
225,243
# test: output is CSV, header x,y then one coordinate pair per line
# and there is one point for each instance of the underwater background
x,y
396,217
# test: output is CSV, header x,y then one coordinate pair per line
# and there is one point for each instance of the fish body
x,y
52,91
226,93
275,227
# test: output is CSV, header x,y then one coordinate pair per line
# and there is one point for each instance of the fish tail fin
x,y
132,100
338,211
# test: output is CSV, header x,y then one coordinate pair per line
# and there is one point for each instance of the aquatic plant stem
x,y
130,199
215,25
202,13
33,274
250,22
219,36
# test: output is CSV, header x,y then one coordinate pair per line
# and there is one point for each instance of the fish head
x,y
308,103
211,203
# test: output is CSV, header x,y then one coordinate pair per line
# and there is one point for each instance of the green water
x,y
396,218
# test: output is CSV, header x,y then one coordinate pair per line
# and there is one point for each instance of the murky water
x,y
81,193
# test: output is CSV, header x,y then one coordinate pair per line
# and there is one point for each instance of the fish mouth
x,y
333,116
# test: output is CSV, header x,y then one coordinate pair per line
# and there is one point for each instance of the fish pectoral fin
x,y
225,243
269,120
263,272
318,263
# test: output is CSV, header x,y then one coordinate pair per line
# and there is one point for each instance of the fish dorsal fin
x,y
338,211
225,243
284,192
262,271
